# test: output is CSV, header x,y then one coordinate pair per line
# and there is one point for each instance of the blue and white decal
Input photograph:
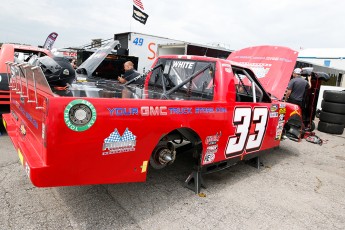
x,y
116,143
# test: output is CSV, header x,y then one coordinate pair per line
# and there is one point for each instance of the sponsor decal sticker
x,y
123,111
210,154
211,140
282,110
274,114
274,108
80,115
260,69
183,64
116,143
280,128
278,135
209,158
163,111
22,129
212,148
281,117
26,114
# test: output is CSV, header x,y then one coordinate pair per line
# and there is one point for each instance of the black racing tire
x,y
333,118
330,128
333,107
334,96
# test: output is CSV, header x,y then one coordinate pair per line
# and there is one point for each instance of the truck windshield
x,y
176,71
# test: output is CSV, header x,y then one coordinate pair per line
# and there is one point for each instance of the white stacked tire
x,y
332,115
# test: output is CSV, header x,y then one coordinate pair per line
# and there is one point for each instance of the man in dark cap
x,y
296,88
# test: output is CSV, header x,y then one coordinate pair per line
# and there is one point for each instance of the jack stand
x,y
194,181
255,162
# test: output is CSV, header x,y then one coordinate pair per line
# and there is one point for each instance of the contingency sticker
x,y
116,143
80,115
210,154
274,107
279,130
273,114
212,148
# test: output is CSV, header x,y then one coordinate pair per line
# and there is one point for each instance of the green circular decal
x,y
80,115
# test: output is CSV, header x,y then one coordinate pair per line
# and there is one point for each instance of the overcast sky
x,y
233,23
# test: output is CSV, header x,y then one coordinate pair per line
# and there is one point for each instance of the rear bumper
x,y
29,159
72,170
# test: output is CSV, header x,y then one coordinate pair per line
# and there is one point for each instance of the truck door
x,y
251,117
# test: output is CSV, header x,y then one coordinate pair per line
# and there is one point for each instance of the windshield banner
x,y
272,65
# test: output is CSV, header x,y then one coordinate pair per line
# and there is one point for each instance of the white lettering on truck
x,y
183,64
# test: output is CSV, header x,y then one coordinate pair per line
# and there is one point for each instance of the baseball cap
x,y
297,71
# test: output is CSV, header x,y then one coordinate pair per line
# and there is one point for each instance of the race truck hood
x,y
272,65
86,69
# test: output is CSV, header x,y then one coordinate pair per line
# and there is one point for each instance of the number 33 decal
x,y
243,119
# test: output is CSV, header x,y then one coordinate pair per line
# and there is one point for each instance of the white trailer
x,y
148,47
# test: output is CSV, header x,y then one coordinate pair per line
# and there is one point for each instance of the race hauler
x,y
148,47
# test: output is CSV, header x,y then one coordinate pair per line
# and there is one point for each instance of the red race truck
x,y
100,131
16,54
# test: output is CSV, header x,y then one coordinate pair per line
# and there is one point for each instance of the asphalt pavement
x,y
300,186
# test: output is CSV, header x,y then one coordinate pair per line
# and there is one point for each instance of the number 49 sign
x,y
138,41
243,120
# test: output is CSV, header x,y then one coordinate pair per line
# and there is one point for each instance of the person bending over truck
x,y
296,88
296,91
130,73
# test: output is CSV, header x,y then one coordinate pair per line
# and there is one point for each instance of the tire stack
x,y
332,115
